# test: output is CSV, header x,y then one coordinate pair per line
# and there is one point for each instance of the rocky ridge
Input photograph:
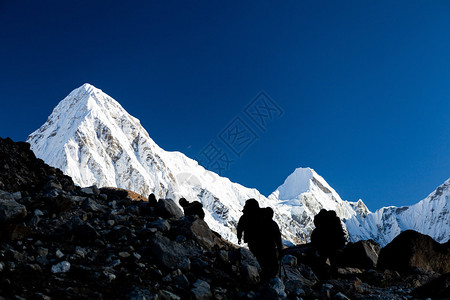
x,y
60,241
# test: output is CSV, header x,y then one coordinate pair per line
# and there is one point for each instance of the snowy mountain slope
x,y
429,216
95,141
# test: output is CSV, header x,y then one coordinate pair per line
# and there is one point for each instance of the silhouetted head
x,y
268,212
151,197
183,202
250,205
318,219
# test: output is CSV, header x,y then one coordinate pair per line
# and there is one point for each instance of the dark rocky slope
x,y
60,241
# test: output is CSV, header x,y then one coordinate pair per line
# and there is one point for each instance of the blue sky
x,y
364,86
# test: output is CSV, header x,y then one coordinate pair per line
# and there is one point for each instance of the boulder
x,y
167,208
10,210
170,253
202,234
91,205
289,260
361,255
295,288
276,284
250,274
201,290
411,249
166,295
247,258
161,225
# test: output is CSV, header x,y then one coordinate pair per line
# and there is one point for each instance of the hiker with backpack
x,y
194,208
262,236
328,237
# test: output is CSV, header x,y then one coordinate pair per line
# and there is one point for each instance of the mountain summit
x,y
93,139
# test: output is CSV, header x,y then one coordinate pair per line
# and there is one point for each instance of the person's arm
x,y
240,228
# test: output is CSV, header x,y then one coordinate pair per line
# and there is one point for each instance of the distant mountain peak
x,y
297,183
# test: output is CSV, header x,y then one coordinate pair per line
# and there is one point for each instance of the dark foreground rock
x,y
438,288
411,249
60,241
362,255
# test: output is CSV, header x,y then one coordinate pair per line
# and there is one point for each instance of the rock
x,y
167,208
42,260
290,260
85,232
201,290
81,252
17,195
411,249
246,257
362,255
277,285
349,271
20,232
223,256
124,254
438,288
166,295
171,254
61,267
182,281
340,296
59,254
141,294
250,274
114,263
295,287
40,296
88,191
161,225
91,205
202,234
10,210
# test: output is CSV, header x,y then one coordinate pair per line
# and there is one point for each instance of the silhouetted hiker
x,y
328,237
152,200
262,235
192,209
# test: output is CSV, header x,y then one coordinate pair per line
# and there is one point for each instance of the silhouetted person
x,y
192,209
262,235
328,237
152,200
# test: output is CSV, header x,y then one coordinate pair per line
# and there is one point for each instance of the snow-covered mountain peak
x,y
360,208
297,183
301,181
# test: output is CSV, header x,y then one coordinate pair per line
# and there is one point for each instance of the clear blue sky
x,y
364,85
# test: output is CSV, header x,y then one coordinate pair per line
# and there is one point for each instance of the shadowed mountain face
x,y
90,137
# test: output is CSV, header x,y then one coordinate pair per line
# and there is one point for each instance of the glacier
x,y
93,139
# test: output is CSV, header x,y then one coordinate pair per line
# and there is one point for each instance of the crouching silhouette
x,y
328,237
262,235
192,209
